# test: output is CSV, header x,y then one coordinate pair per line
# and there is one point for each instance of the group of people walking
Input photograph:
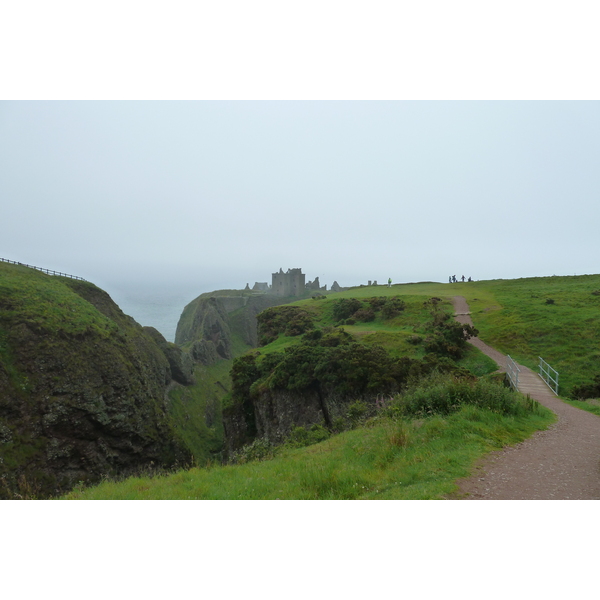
x,y
452,279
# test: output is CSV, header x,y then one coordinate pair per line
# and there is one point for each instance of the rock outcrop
x,y
181,364
209,324
206,319
272,415
82,387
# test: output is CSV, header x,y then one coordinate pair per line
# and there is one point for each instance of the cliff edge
x,y
83,387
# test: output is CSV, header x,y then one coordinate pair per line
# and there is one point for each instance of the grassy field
x,y
413,458
557,318
393,334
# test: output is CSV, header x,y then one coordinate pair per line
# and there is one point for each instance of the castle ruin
x,y
316,286
292,283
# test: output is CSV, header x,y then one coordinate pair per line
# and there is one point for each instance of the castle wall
x,y
291,283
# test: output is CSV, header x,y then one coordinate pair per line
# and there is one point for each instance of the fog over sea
x,y
158,307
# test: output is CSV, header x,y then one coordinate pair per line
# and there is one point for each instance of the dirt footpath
x,y
561,463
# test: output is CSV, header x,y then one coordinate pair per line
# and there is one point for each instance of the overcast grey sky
x,y
224,193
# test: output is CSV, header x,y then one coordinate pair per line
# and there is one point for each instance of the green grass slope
x,y
557,318
414,456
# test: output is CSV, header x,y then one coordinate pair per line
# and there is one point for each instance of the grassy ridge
x,y
397,334
514,317
48,302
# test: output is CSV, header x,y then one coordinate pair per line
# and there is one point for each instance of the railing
x,y
549,375
47,271
512,370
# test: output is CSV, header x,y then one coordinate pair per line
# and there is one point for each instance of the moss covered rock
x,y
82,387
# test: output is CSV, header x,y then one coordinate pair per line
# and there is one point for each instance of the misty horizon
x,y
213,195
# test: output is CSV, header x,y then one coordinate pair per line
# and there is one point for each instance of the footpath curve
x,y
560,463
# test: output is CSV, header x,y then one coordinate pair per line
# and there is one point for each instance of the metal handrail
x,y
549,375
512,370
47,271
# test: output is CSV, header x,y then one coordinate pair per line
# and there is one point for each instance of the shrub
x,y
448,337
357,412
306,436
432,304
244,372
355,369
259,449
335,337
444,395
331,364
338,425
287,320
377,302
363,314
587,390
313,335
344,308
392,307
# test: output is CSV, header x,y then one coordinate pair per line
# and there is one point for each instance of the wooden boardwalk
x,y
561,463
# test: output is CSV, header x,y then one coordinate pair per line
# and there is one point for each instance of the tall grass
x,y
403,453
443,396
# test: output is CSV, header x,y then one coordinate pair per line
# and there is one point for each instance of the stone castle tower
x,y
292,283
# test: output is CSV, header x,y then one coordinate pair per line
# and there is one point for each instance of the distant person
x,y
470,280
450,279
390,282
453,278
463,278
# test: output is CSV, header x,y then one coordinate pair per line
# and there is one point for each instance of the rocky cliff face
x,y
82,387
209,323
220,326
181,365
205,320
273,414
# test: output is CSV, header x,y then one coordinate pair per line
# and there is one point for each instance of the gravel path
x,y
561,463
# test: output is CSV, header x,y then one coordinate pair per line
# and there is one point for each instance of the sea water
x,y
154,306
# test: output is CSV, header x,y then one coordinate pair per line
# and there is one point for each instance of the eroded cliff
x,y
82,387
212,325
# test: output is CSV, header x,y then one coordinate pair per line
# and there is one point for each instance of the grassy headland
x,y
557,318
386,456
404,455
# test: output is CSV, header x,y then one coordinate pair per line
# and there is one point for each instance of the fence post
x,y
548,375
513,372
47,271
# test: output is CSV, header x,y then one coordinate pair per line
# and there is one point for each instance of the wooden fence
x,y
47,271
